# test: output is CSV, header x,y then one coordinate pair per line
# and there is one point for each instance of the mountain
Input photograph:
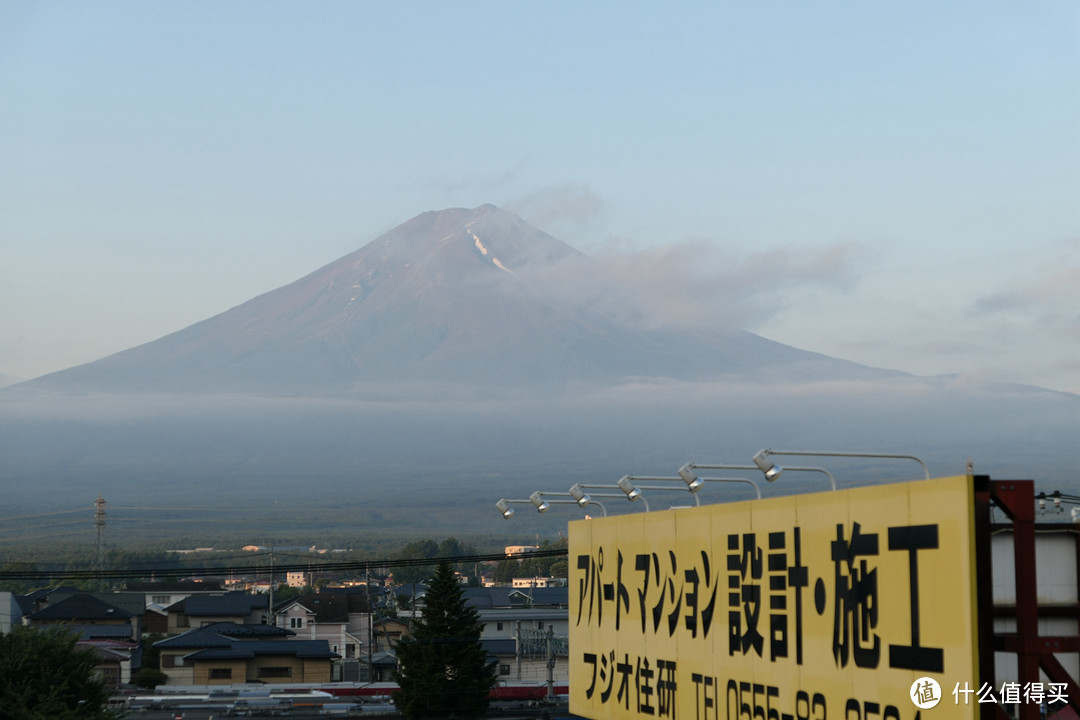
x,y
467,297
462,357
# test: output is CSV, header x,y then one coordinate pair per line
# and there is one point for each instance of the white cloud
x,y
557,208
695,284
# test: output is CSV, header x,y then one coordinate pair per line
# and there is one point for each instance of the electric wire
x,y
266,566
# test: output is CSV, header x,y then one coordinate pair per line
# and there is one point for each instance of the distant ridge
x,y
451,297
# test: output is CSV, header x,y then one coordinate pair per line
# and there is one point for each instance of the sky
x,y
894,184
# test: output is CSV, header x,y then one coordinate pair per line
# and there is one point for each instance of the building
x,y
235,607
226,653
341,619
83,611
513,550
160,595
538,582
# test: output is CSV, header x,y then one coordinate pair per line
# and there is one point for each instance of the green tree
x,y
13,585
416,574
442,669
148,677
44,675
506,570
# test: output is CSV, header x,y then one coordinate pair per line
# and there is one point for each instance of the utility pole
x,y
99,529
370,626
517,646
551,663
271,615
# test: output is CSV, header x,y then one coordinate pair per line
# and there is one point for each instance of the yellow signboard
x,y
846,605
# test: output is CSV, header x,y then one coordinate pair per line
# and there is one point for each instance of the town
x,y
311,638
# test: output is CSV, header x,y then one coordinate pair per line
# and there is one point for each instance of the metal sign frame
x,y
1034,652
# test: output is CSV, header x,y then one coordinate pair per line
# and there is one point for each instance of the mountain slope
x,y
466,297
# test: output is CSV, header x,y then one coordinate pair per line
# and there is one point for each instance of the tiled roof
x,y
96,632
328,607
223,634
81,606
525,614
504,597
386,658
240,604
134,603
198,638
244,650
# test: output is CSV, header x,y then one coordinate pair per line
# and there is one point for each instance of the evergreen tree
x,y
442,670
44,675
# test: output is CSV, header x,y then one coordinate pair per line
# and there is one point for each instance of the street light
x,y
629,485
580,495
541,504
583,498
630,490
767,466
1057,498
686,472
695,483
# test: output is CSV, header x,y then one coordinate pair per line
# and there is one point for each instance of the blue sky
x,y
893,184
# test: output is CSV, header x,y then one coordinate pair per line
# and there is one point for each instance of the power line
x,y
310,566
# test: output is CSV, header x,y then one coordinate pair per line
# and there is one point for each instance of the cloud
x,y
1047,297
1043,287
694,284
559,205
1037,296
472,190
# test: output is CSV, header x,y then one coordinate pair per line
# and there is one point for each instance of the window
x,y
274,672
161,599
350,651
296,622
498,626
221,673
540,625
178,661
504,669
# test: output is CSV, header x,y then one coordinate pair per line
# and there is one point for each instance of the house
x,y
504,597
235,607
515,550
298,578
116,659
225,653
341,619
112,632
10,611
525,631
160,595
80,610
383,665
537,582
386,632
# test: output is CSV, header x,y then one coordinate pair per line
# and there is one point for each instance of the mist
x,y
444,461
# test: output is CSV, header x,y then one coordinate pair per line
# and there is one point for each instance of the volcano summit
x,y
458,297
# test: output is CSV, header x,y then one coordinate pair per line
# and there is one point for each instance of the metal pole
x,y
550,663
370,625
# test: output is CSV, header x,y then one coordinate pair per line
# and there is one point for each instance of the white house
x,y
341,619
